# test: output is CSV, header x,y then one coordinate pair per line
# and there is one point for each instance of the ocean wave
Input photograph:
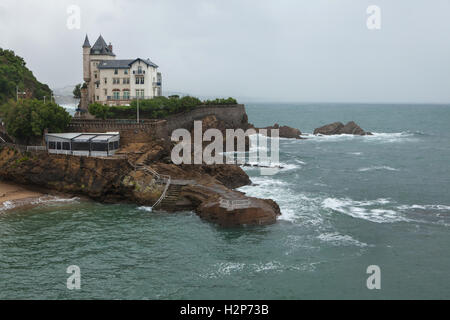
x,y
7,205
366,210
295,207
437,207
338,239
377,168
147,209
384,137
52,199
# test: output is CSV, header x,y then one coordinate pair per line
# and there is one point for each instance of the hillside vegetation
x,y
13,73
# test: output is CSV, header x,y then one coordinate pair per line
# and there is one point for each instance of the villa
x,y
114,82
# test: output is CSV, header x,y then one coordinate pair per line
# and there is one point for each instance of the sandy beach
x,y
12,195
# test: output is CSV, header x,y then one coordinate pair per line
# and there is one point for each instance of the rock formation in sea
x,y
284,131
340,128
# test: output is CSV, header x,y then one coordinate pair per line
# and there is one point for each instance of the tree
x,y
28,118
99,110
77,91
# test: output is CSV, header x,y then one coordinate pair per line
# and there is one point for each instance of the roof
x,y
101,48
68,136
146,61
77,136
86,43
123,64
115,64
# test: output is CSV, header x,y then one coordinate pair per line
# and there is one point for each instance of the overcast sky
x,y
268,50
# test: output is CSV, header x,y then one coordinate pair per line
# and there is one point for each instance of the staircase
x,y
173,194
161,179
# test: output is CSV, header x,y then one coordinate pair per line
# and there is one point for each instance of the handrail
x,y
163,195
158,176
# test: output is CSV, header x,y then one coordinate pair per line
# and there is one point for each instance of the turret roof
x,y
101,48
86,43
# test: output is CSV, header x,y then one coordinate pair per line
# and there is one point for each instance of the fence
x,y
231,205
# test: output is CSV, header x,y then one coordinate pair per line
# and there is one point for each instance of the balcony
x,y
139,72
157,84
128,98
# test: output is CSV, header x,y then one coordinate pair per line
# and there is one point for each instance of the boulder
x,y
330,129
340,128
284,131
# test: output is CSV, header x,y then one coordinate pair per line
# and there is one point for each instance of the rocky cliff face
x,y
201,188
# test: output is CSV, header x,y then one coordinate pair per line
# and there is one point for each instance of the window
x,y
99,146
116,95
95,75
97,85
126,95
140,93
125,71
106,80
126,80
139,70
116,71
66,146
106,91
52,145
98,98
116,144
81,146
142,80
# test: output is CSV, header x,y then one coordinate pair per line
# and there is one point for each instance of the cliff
x,y
204,189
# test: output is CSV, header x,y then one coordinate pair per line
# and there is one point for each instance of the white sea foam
x,y
377,168
7,205
53,199
338,239
375,137
364,209
295,207
148,209
437,207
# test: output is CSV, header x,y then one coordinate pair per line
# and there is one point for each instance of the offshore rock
x,y
337,128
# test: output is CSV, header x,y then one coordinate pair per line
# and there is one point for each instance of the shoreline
x,y
15,196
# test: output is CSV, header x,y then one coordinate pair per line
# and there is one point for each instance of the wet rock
x,y
340,128
284,131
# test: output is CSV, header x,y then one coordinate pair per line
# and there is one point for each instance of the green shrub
x,y
229,101
99,110
156,108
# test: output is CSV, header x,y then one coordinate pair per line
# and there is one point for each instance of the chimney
x,y
110,47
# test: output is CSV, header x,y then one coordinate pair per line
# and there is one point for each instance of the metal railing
x,y
231,205
159,178
128,98
164,194
36,148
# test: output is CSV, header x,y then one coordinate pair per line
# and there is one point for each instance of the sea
x,y
356,211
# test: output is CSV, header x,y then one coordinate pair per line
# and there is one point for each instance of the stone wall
x,y
143,132
231,114
148,130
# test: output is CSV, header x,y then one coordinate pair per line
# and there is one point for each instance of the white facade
x,y
117,82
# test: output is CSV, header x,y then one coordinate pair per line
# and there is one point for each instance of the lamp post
x,y
137,108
